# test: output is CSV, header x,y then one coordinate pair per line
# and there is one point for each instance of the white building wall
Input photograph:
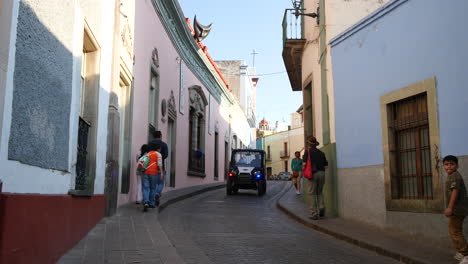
x,y
22,178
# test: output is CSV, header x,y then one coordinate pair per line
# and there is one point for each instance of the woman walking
x,y
296,167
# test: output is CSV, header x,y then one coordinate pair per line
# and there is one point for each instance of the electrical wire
x,y
260,74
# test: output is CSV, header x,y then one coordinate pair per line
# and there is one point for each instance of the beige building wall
x,y
311,70
296,120
339,15
295,142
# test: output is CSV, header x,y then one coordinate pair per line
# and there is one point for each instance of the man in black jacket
x,y
157,135
314,186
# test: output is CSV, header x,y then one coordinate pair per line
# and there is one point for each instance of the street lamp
x,y
297,7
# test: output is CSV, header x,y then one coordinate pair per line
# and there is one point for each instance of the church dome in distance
x,y
264,125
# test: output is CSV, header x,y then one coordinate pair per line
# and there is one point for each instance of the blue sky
x,y
238,28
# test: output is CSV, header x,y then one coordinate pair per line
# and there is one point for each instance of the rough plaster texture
x,y
362,198
42,85
361,194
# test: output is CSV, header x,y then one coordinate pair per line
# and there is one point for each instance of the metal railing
x,y
83,129
293,27
284,153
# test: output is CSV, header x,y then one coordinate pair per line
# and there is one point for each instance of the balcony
x,y
284,154
293,47
268,157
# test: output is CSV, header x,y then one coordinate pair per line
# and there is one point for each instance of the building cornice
x,y
174,22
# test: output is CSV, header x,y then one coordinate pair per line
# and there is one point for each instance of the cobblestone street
x,y
245,228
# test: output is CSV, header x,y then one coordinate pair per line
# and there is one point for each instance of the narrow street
x,y
245,228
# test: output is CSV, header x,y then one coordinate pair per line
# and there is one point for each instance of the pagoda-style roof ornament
x,y
201,31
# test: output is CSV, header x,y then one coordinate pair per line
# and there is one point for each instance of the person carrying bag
x,y
307,169
314,164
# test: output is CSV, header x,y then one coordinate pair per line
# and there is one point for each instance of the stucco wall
x,y
371,60
361,198
362,190
342,14
42,85
380,65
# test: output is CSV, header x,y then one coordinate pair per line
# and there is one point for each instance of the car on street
x,y
284,176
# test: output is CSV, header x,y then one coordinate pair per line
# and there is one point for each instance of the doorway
x,y
226,159
171,158
216,170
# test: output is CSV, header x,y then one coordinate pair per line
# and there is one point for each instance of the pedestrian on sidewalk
x,y
296,167
157,135
314,186
151,176
457,207
139,195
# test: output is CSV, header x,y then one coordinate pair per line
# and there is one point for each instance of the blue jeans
x,y
160,186
149,185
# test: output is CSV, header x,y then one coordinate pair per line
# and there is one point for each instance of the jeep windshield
x,y
247,159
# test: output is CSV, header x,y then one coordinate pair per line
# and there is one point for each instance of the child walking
x,y
457,207
143,150
151,176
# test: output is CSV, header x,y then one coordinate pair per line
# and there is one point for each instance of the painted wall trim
x,y
174,22
377,14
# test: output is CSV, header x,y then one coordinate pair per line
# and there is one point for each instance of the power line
x,y
260,74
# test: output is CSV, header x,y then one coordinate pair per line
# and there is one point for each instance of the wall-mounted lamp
x,y
316,15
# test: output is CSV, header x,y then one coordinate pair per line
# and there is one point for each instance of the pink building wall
x,y
150,34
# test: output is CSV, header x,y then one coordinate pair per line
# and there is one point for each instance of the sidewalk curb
x,y
377,249
182,197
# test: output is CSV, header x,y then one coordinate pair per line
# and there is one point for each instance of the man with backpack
x,y
150,164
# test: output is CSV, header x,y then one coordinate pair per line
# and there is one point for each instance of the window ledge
x,y
196,174
80,193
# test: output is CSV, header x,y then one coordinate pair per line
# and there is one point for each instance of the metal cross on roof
x,y
253,57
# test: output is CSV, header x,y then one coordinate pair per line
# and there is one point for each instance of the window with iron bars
x,y
412,175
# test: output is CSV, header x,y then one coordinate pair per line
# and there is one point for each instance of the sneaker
x,y
158,198
298,192
464,260
314,217
145,207
458,256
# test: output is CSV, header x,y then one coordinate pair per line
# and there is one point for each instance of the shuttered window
x,y
412,176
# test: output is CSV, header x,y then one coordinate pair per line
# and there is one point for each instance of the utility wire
x,y
260,74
